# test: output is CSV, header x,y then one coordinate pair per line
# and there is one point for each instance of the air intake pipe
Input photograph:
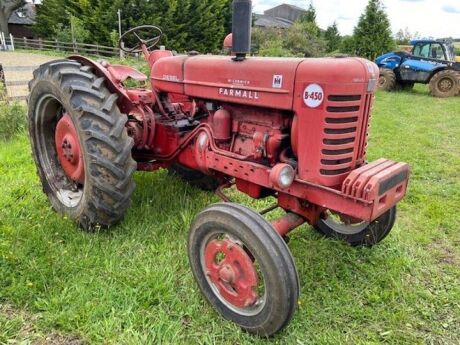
x,y
241,28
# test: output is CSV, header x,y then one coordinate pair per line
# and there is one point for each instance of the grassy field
x,y
133,285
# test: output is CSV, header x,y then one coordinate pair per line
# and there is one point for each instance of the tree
x,y
310,15
333,39
299,40
187,24
7,7
303,40
403,37
372,35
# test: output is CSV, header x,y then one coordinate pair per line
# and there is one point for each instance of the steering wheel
x,y
143,34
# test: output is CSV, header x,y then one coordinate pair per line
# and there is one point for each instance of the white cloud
x,y
427,17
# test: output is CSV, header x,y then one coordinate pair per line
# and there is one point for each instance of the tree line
x,y
187,24
201,25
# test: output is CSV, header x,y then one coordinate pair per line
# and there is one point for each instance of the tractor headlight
x,y
282,175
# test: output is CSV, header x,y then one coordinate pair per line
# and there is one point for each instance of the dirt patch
x,y
28,332
445,253
58,339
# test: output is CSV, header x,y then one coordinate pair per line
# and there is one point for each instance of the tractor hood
x,y
263,82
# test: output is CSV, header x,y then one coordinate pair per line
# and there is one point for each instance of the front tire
x,y
357,234
387,80
445,83
80,144
243,268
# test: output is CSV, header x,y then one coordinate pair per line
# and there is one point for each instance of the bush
x,y
301,40
12,119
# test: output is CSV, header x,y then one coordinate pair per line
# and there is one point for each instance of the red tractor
x,y
293,129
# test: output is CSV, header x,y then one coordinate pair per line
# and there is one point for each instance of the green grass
x,y
133,285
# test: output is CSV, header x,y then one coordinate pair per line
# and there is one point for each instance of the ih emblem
x,y
277,81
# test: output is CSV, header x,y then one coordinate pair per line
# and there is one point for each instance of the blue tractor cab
x,y
430,62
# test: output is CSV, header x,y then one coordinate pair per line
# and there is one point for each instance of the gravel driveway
x,y
18,68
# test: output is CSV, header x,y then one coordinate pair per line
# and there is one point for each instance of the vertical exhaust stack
x,y
241,28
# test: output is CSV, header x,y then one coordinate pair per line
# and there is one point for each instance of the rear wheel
x,y
354,232
387,80
80,144
445,83
243,268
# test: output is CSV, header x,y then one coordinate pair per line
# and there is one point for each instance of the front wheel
x,y
243,268
387,80
354,232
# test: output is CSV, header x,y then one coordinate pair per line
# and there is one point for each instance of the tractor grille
x,y
342,132
363,137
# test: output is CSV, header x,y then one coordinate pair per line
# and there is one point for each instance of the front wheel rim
x,y
235,280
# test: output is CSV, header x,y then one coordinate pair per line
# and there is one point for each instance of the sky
x,y
430,18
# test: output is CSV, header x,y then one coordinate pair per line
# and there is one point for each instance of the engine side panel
x,y
167,74
261,82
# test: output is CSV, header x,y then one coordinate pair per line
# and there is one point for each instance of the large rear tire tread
x,y
103,139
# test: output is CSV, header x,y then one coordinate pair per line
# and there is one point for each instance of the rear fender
x,y
434,72
124,101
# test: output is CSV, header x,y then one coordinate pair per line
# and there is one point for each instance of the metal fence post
x,y
12,42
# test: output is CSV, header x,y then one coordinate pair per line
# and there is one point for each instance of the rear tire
x,y
250,243
362,234
66,88
387,80
445,83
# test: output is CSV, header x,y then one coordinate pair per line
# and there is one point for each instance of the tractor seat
x,y
122,73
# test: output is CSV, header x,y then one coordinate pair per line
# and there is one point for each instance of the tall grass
x,y
12,117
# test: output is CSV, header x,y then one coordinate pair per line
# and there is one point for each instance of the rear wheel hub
x,y
446,84
68,149
232,271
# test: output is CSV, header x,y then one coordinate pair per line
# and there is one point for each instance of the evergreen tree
x,y
333,38
310,14
309,21
186,24
372,35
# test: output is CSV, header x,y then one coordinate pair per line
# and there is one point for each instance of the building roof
x,y
281,16
271,22
23,16
292,6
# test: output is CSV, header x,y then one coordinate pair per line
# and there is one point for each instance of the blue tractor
x,y
431,62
